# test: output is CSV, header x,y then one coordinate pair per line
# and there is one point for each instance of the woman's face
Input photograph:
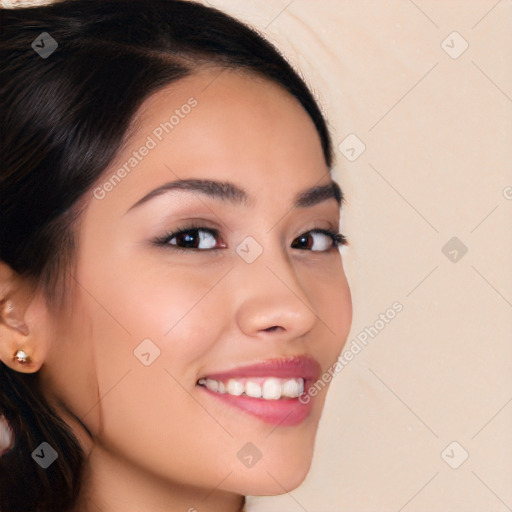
x,y
154,313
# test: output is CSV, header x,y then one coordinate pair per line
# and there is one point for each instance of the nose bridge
x,y
263,261
270,294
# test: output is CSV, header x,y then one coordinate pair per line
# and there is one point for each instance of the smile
x,y
269,390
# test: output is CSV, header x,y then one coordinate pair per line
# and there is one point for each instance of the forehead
x,y
233,112
224,125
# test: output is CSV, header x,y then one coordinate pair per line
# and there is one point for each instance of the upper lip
x,y
303,366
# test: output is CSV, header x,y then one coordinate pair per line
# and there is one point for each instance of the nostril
x,y
271,329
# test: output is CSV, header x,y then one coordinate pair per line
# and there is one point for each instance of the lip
x,y
285,412
303,366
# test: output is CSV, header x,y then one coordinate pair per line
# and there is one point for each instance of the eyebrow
x,y
229,192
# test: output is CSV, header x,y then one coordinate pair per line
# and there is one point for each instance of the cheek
x,y
329,293
179,309
149,295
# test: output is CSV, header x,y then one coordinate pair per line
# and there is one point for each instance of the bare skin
x,y
158,443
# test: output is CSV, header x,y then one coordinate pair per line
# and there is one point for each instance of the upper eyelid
x,y
217,230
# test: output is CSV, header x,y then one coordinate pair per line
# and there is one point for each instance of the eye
x,y
319,240
195,238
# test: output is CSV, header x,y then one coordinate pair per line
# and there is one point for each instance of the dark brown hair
x,y
63,119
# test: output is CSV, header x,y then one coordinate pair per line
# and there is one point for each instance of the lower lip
x,y
287,412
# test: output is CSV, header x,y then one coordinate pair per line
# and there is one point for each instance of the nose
x,y
271,300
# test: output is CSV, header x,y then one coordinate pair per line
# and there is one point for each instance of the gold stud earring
x,y
21,357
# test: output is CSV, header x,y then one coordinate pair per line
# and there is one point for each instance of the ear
x,y
22,315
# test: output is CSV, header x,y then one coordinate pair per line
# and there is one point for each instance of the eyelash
x,y
338,239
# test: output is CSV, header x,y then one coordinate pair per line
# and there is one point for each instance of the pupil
x,y
187,238
304,241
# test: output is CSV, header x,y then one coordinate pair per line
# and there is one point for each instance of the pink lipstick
x,y
268,390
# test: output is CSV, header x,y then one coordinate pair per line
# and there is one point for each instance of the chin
x,y
272,479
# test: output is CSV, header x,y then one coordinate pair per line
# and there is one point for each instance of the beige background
x,y
436,124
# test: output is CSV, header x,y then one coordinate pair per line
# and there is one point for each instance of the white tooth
x,y
252,389
213,385
290,388
271,389
235,387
